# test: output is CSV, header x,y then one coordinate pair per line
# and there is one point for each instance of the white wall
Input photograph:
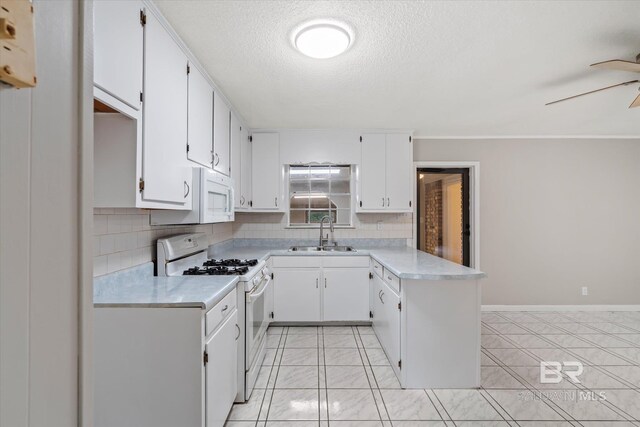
x,y
39,222
555,215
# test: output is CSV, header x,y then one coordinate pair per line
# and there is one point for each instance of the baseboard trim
x,y
594,307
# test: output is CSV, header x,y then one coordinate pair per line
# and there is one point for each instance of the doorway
x,y
444,214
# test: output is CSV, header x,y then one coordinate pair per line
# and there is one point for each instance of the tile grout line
x,y
619,411
362,350
605,403
326,384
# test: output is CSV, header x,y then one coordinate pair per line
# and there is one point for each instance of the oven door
x,y
216,198
257,317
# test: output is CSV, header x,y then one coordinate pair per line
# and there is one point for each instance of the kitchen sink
x,y
322,249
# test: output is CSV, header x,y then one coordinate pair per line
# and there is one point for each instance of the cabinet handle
x,y
188,189
216,159
381,295
241,200
325,282
238,328
317,283
383,202
226,306
388,202
276,200
390,279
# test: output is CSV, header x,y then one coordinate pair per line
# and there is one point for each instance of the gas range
x,y
222,267
186,254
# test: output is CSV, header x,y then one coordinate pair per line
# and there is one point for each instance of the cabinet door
x,y
399,172
378,321
221,135
372,194
164,117
265,174
118,49
346,294
221,371
296,295
200,119
245,169
236,160
386,319
390,313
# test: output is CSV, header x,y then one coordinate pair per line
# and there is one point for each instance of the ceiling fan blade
x,y
618,64
593,91
635,103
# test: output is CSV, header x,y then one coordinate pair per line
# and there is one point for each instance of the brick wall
x,y
433,211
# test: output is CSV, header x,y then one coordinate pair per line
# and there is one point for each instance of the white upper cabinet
x,y
164,174
339,147
200,119
372,194
236,160
385,176
245,170
118,40
399,154
266,171
221,135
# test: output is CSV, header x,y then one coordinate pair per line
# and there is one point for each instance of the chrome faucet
x,y
324,241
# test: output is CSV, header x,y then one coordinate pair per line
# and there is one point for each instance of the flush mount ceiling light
x,y
322,40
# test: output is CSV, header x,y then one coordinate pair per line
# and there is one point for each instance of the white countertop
x,y
404,262
138,287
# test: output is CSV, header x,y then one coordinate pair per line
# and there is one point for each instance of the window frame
x,y
352,186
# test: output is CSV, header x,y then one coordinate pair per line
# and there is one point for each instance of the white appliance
x,y
213,201
187,254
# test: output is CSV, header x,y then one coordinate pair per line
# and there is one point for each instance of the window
x,y
317,191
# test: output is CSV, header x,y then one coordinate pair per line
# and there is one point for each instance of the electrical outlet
x,y
380,225
585,291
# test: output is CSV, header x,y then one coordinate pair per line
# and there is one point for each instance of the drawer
x,y
220,311
392,280
345,261
376,267
296,261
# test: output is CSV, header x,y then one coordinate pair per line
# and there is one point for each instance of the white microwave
x,y
213,201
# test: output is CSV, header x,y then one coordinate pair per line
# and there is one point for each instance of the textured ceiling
x,y
449,68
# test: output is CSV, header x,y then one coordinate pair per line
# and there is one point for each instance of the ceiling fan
x,y
614,64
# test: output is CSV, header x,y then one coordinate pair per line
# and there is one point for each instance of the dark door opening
x,y
444,227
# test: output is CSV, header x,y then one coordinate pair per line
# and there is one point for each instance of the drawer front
x,y
221,311
345,261
376,267
392,280
296,261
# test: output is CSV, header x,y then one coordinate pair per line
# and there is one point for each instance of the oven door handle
x,y
253,296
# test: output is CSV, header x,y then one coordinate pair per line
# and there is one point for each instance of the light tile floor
x,y
339,376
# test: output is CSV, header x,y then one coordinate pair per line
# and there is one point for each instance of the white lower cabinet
x,y
166,366
346,294
221,371
386,320
296,295
323,288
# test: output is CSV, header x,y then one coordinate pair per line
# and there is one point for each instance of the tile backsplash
x,y
274,225
123,238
